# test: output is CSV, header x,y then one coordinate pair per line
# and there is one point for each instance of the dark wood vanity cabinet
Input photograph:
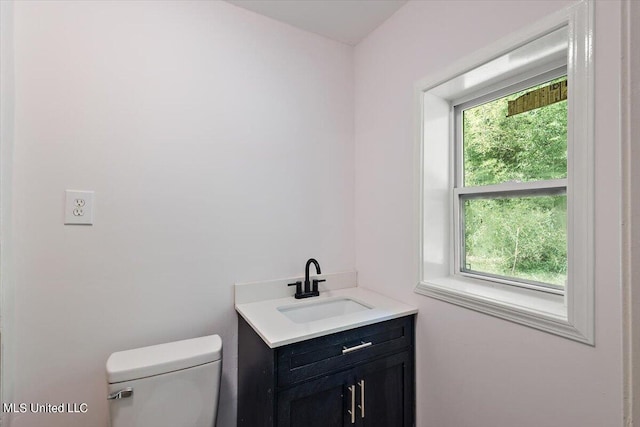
x,y
359,377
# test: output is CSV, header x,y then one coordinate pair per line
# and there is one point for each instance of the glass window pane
x,y
524,147
517,237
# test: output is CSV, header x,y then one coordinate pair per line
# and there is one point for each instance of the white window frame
x,y
570,313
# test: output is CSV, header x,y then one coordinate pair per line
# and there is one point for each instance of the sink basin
x,y
303,313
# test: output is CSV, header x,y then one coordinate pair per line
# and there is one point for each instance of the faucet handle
x,y
298,286
315,283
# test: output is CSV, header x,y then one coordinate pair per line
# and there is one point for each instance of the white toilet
x,y
168,385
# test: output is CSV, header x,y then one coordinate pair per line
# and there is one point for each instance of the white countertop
x,y
277,330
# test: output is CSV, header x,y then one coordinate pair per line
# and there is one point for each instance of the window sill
x,y
540,310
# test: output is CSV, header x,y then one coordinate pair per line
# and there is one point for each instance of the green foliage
x,y
529,146
522,237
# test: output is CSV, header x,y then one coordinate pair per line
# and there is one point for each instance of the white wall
x,y
220,147
474,370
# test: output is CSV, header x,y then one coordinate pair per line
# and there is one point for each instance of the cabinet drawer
x,y
331,353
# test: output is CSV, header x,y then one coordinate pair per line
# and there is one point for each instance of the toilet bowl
x,y
168,385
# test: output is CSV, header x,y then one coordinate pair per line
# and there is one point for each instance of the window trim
x,y
570,315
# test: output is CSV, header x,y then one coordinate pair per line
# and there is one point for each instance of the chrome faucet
x,y
308,290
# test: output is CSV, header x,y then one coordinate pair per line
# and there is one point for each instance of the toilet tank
x,y
166,385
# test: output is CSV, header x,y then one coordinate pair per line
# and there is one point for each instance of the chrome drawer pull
x,y
352,411
361,398
121,394
346,350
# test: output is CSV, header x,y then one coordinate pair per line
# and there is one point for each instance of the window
x,y
505,194
510,185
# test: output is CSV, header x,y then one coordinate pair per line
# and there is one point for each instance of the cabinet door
x,y
385,392
319,403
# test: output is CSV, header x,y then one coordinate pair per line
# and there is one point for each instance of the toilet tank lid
x,y
159,359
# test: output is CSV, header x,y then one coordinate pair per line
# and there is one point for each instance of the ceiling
x,y
347,21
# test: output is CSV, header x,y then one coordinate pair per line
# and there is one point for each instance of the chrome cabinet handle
x,y
346,350
361,405
352,411
121,394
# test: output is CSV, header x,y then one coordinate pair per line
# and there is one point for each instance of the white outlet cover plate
x,y
78,207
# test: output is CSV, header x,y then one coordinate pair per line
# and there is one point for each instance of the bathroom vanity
x,y
348,369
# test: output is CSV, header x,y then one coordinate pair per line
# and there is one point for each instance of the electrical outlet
x,y
78,207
